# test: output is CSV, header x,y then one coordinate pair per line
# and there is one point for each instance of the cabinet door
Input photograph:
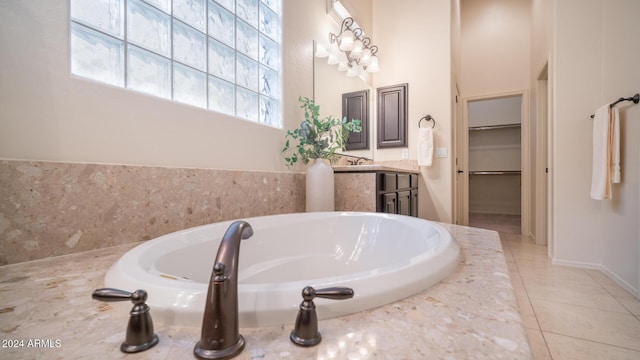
x,y
404,203
403,181
392,116
388,203
414,180
355,105
414,203
388,182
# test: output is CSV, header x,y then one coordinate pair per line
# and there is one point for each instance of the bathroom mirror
x,y
329,84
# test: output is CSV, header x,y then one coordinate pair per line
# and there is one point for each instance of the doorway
x,y
495,159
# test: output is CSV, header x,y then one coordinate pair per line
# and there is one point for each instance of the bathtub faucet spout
x,y
221,338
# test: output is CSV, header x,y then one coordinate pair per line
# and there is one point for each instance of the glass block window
x,y
221,55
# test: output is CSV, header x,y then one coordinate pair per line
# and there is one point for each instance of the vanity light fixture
x,y
360,54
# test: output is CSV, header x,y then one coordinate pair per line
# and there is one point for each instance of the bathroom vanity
x,y
376,188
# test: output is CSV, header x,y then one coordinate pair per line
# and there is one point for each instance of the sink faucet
x,y
357,161
221,338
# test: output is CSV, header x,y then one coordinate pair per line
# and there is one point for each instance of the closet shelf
x,y
496,172
498,147
492,127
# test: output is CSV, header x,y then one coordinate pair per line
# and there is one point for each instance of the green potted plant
x,y
318,139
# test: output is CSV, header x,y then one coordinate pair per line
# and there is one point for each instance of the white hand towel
x,y
615,151
425,146
600,182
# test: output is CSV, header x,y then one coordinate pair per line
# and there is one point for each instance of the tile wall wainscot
x,y
355,192
50,208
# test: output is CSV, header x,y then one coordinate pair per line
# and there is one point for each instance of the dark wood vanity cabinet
x,y
397,193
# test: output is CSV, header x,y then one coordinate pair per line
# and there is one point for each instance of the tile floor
x,y
569,313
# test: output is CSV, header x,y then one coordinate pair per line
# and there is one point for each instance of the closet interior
x,y
495,163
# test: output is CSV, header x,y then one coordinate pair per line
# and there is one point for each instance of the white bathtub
x,y
383,257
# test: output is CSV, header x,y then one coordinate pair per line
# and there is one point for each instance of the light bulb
x,y
373,67
365,60
356,52
346,41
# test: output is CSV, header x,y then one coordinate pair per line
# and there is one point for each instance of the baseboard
x,y
576,264
634,291
625,285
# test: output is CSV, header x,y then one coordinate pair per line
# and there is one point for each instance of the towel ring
x,y
428,118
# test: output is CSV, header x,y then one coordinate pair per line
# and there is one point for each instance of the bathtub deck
x,y
46,306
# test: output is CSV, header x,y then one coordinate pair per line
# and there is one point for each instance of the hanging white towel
x,y
606,152
615,151
425,146
600,181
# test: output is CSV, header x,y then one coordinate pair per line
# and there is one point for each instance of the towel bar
x,y
635,98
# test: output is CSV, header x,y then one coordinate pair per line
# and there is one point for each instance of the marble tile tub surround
x,y
472,314
355,191
50,208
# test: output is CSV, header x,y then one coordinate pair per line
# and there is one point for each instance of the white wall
x,y
456,30
500,111
495,61
596,57
495,46
542,31
47,114
414,38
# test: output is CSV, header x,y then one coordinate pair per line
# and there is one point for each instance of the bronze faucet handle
x,y
140,335
334,293
306,332
111,295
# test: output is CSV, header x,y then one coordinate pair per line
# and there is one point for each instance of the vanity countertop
x,y
370,168
46,311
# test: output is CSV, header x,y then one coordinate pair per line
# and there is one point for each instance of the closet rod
x,y
635,98
503,172
491,127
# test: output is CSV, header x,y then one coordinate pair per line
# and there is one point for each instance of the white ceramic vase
x,y
320,187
